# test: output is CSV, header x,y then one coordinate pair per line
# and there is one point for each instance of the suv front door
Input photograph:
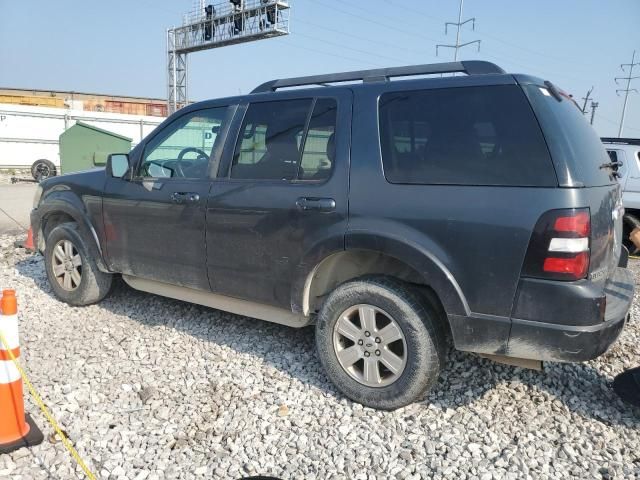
x,y
155,219
279,203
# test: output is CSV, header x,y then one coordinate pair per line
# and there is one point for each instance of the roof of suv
x,y
477,72
472,67
621,141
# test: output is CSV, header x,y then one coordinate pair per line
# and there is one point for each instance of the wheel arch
x,y
376,254
61,207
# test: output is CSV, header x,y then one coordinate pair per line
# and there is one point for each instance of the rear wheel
x,y
43,169
378,341
73,273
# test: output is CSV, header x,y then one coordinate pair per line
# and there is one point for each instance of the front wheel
x,y
72,272
379,342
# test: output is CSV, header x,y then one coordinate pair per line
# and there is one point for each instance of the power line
x,y
409,32
493,37
316,39
628,89
614,122
351,59
458,25
502,55
375,22
357,37
529,68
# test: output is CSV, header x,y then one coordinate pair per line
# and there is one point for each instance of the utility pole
x,y
458,25
594,105
586,99
626,90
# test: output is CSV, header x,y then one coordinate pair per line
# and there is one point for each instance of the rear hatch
x,y
581,163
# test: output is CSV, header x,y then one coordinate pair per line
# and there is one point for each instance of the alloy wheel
x,y
370,345
66,264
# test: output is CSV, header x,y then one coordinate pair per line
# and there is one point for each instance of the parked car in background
x,y
625,152
392,214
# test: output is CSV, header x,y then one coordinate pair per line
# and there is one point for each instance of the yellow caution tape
x,y
65,441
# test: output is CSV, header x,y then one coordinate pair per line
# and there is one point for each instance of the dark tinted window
x,y
613,155
574,144
270,142
320,145
468,136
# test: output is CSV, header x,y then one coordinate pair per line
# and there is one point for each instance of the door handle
x,y
184,197
320,204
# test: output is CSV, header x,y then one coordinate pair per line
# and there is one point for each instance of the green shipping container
x,y
84,146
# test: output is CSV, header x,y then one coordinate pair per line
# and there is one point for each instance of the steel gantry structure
x,y
218,25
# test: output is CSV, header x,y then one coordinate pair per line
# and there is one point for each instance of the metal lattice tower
x,y
177,75
211,26
457,46
627,89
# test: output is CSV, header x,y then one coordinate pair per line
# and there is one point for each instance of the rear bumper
x,y
573,340
560,343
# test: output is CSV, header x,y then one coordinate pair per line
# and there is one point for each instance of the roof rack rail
x,y
471,67
627,141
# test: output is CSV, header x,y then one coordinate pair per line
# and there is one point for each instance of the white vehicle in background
x,y
29,134
625,152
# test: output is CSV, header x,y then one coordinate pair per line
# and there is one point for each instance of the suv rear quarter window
x,y
463,136
574,144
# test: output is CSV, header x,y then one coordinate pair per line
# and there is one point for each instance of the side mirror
x,y
117,164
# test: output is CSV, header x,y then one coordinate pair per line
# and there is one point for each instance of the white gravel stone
x,y
150,388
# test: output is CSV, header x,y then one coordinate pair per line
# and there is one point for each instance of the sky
x,y
119,47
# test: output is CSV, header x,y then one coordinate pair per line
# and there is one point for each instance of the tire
x,y
423,343
43,169
629,222
72,254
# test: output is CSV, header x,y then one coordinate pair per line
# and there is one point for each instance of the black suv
x,y
393,214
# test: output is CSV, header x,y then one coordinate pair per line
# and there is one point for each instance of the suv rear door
x,y
280,199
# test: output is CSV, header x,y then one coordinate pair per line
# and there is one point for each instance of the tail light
x,y
559,246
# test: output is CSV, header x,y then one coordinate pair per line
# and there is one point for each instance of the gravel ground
x,y
151,388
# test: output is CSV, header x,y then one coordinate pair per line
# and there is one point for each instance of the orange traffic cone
x,y
28,243
16,429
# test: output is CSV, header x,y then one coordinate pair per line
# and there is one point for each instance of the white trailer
x,y
29,134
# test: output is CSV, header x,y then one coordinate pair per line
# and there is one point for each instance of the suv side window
x,y
463,136
281,141
183,148
268,146
320,144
